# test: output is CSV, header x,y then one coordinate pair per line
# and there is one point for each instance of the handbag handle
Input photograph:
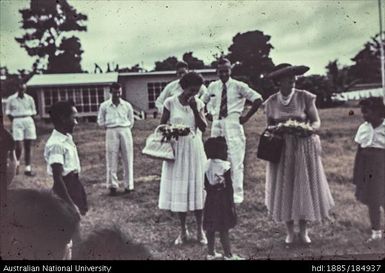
x,y
159,127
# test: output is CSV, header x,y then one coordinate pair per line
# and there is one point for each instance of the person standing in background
x,y
174,88
117,116
226,98
20,109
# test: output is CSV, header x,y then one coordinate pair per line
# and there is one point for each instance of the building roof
x,y
361,94
72,79
100,78
168,72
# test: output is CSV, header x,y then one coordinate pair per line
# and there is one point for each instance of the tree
x,y
9,83
46,23
193,62
340,79
68,61
318,85
135,68
167,64
367,61
251,50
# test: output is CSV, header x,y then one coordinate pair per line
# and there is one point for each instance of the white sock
x,y
28,168
376,234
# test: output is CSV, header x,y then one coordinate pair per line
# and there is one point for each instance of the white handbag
x,y
158,147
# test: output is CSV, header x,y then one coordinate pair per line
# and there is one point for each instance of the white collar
x,y
112,104
226,83
60,136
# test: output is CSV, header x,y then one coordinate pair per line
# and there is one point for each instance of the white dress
x,y
182,181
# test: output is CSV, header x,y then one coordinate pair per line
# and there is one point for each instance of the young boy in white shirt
x,y
62,157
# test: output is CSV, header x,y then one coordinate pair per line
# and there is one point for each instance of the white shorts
x,y
23,128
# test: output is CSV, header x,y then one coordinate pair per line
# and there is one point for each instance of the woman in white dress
x,y
182,181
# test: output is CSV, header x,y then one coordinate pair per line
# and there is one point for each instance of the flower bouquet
x,y
293,127
173,132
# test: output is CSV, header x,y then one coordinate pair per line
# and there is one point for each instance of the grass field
x,y
255,237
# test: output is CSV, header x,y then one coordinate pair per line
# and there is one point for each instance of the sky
x,y
128,32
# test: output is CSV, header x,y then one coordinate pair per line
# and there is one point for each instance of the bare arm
x,y
313,116
165,116
199,116
58,183
8,109
254,108
200,119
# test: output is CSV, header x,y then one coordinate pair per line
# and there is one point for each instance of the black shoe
x,y
113,192
127,191
29,173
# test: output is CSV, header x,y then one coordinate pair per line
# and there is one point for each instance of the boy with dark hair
x,y
62,157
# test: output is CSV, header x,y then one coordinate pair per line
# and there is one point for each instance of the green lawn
x,y
255,236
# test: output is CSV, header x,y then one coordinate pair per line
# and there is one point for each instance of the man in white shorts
x,y
117,116
174,88
21,109
225,100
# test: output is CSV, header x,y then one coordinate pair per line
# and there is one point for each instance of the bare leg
x,y
375,217
27,151
303,232
183,229
210,242
290,232
18,150
198,217
225,240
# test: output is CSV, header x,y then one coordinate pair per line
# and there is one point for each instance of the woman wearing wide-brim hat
x,y
296,186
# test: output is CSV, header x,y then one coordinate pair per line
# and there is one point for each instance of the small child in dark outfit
x,y
219,210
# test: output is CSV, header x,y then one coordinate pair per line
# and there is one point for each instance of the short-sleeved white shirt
x,y
18,107
111,115
61,149
369,137
237,94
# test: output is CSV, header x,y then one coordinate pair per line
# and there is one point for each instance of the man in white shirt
x,y
20,109
117,116
225,99
174,88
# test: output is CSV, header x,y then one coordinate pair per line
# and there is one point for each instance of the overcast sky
x,y
130,32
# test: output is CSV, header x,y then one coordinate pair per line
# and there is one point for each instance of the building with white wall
x,y
89,90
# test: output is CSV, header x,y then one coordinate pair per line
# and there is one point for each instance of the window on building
x,y
86,98
154,89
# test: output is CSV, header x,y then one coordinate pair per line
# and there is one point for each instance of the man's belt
x,y
26,116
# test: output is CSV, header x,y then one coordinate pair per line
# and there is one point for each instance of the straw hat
x,y
286,69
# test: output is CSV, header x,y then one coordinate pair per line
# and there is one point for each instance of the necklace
x,y
285,100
